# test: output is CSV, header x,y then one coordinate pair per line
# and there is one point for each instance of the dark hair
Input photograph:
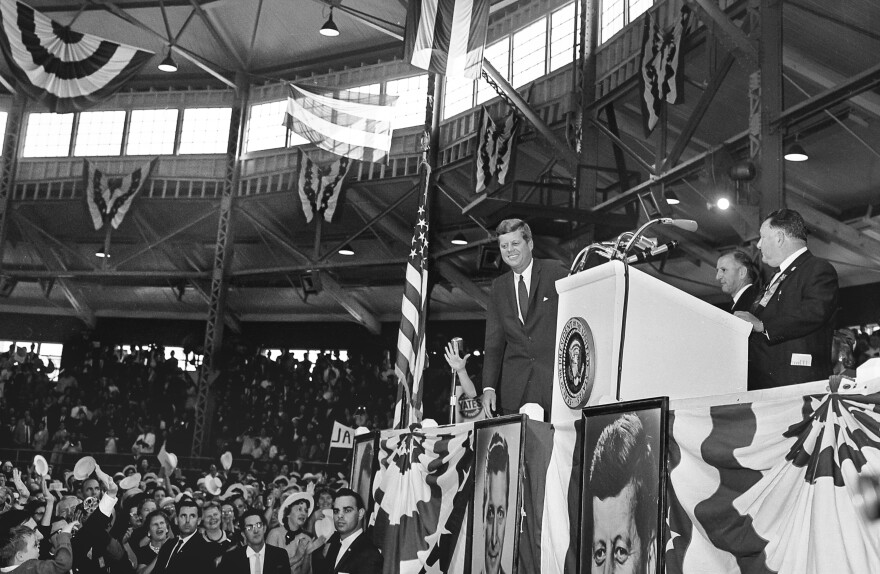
x,y
744,259
153,515
185,502
12,542
789,222
511,225
623,456
497,461
249,512
349,492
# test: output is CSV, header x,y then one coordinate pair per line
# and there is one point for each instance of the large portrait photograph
x,y
495,518
622,512
363,467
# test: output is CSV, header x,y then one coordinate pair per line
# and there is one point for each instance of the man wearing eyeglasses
x,y
349,550
190,553
257,557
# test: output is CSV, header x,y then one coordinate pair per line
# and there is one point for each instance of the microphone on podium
x,y
649,254
686,224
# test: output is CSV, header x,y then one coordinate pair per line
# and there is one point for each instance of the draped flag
x,y
411,337
769,486
660,78
355,125
422,491
328,182
109,199
66,70
447,37
494,149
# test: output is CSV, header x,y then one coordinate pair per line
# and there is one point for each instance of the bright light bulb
x,y
722,203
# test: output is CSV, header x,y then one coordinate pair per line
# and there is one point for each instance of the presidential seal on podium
x,y
576,363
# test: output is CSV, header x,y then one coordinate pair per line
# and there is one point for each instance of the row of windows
x,y
523,56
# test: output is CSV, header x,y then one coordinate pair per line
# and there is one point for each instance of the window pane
x,y
562,37
498,55
99,133
374,89
152,132
48,135
205,130
410,107
266,126
612,18
529,53
3,118
459,96
638,7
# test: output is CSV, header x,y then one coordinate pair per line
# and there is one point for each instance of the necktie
x,y
523,296
258,566
174,552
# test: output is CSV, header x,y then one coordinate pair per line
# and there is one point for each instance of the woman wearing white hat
x,y
290,535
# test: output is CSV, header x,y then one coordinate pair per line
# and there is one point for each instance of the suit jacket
x,y
236,561
744,303
362,557
196,557
519,358
798,319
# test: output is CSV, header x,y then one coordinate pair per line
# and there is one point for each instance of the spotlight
x,y
459,239
346,250
671,197
796,152
329,28
168,65
100,253
722,203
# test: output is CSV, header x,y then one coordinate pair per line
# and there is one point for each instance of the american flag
x,y
411,336
447,37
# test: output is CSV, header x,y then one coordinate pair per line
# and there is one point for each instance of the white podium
x,y
674,344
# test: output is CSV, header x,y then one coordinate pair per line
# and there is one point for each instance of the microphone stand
x,y
453,399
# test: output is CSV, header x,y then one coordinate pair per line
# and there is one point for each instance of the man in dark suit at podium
x,y
190,553
520,344
793,320
738,276
257,557
349,549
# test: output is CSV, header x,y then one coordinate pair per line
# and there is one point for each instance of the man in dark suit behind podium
x,y
190,553
257,557
793,320
738,276
349,550
520,344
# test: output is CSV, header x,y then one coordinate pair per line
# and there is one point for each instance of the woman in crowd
x,y
212,529
292,515
158,535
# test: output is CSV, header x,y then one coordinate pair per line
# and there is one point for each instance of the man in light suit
x,y
257,557
738,276
520,344
793,320
190,553
349,550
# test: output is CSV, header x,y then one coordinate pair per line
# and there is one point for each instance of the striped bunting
x,y
65,70
312,179
108,198
447,36
352,124
660,78
411,336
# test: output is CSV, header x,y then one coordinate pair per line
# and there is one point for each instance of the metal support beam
x,y
771,171
800,63
732,36
620,143
462,281
222,262
157,241
14,121
360,313
219,36
835,231
566,153
849,88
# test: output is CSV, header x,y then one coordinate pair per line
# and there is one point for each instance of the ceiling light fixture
x,y
796,152
346,250
722,203
671,197
168,64
329,28
459,239
100,253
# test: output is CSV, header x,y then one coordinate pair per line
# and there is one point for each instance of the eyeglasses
x,y
254,526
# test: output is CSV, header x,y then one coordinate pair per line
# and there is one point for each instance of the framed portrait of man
x,y
495,520
623,488
364,466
